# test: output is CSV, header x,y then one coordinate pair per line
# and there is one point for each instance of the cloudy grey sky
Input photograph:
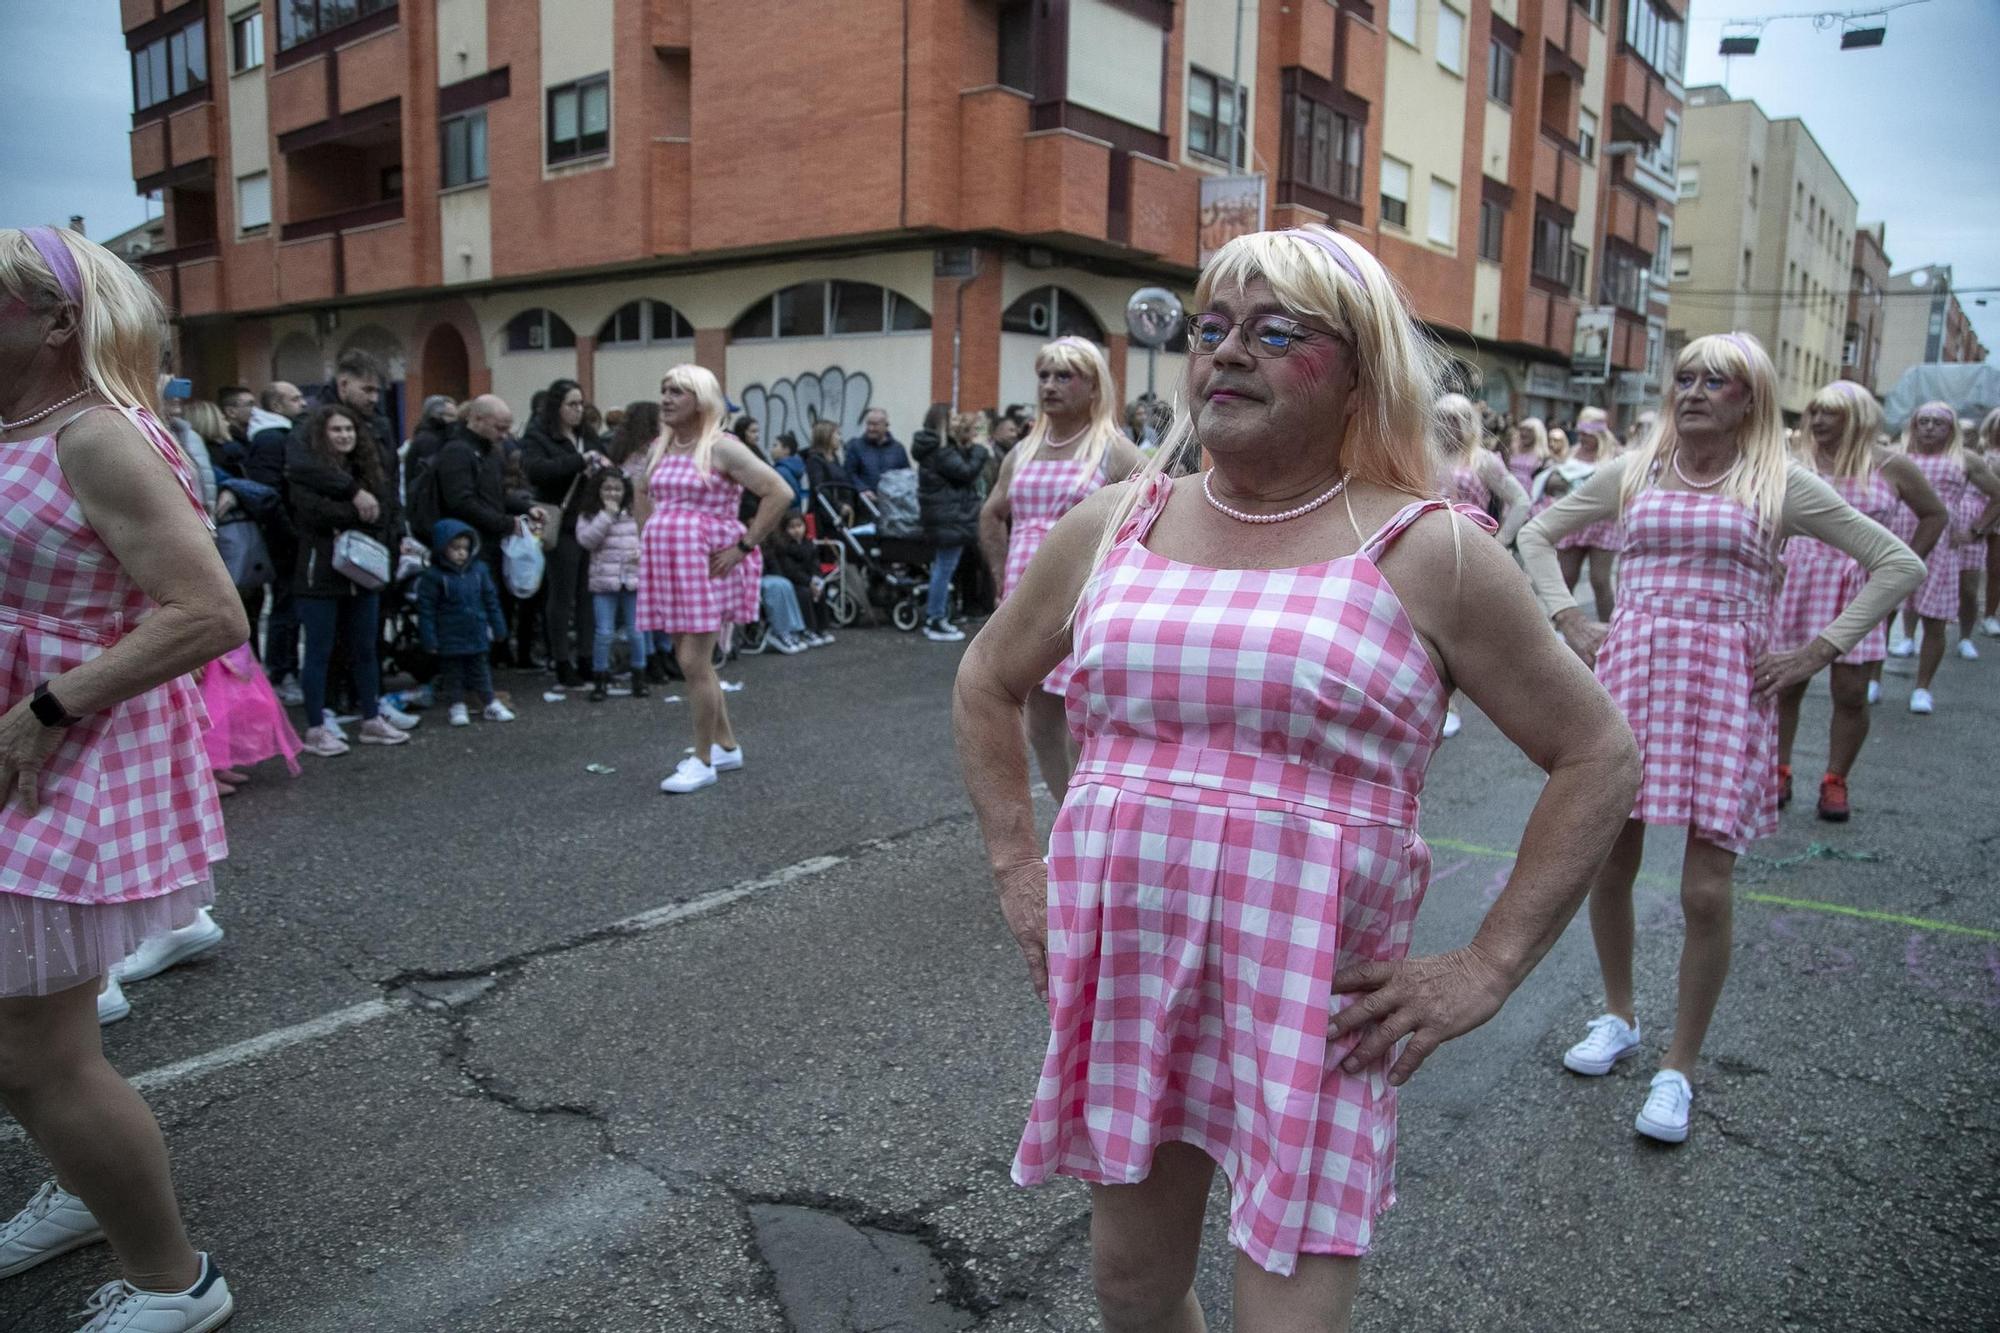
x,y
1911,126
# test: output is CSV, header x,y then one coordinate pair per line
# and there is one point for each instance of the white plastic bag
x,y
522,561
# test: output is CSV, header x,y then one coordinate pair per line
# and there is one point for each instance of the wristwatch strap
x,y
48,709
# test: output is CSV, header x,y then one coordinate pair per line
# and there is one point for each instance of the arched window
x,y
834,308
637,323
538,330
1051,312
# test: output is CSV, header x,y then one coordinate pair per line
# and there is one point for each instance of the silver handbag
x,y
361,560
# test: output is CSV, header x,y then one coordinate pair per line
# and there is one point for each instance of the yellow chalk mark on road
x,y
1769,899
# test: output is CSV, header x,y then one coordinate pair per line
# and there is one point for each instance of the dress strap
x,y
1146,511
1416,509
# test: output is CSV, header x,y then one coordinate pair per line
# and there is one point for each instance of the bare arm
x,y
130,498
1507,486
1814,508
1596,499
1979,474
994,516
1475,610
1027,638
1914,490
739,462
1121,459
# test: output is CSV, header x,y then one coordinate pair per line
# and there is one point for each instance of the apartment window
x,y
169,66
1395,192
1441,225
1492,230
814,309
1661,157
1689,181
246,41
1017,51
253,201
1850,350
463,142
1622,279
1593,10
1586,134
1655,36
1683,263
1451,39
1791,279
1216,112
1799,201
1579,270
1500,73
580,118
303,20
638,323
1663,245
1552,248
1403,20
1325,149
538,330
1746,268
1753,184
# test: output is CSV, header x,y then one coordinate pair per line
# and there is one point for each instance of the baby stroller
x,y
402,649
887,574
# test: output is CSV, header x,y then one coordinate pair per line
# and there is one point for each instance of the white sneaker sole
x,y
43,1256
180,953
727,765
1595,1068
1653,1129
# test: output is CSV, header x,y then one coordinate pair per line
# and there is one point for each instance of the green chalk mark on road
x,y
1769,899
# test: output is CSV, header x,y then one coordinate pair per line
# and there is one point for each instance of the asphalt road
x,y
496,1043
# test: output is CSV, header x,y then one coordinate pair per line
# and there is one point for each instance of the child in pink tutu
x,y
246,723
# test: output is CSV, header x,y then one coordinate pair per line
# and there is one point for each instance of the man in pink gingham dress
x,y
1041,491
1241,824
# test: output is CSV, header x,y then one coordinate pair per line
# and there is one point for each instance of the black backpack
x,y
423,497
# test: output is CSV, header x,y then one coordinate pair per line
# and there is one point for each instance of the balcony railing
x,y
389,210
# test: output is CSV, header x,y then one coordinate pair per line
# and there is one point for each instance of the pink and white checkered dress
x,y
1524,467
1042,491
129,824
1697,579
1602,535
1469,488
1936,598
693,516
1971,507
1820,580
1242,822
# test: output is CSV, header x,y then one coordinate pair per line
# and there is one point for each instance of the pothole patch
x,y
836,1277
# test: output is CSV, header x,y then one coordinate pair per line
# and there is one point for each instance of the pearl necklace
x,y
37,416
1694,485
1242,517
1064,444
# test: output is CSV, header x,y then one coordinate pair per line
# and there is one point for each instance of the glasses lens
x,y
1206,332
1271,336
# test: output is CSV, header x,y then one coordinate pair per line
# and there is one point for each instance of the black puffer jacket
x,y
553,465
948,476
321,517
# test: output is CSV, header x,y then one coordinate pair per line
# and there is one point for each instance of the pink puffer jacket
x,y
613,544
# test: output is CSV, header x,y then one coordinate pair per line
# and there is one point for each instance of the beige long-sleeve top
x,y
1812,509
1513,496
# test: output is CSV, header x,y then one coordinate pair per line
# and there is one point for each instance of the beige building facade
x,y
1763,240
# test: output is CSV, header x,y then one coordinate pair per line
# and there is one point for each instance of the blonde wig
x,y
709,403
207,420
1989,431
1559,444
1537,432
1757,479
1460,433
120,322
1854,451
1954,448
1079,356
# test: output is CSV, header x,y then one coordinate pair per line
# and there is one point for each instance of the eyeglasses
x,y
1712,382
1934,419
1265,336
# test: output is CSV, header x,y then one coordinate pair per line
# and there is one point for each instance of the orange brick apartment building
x,y
492,193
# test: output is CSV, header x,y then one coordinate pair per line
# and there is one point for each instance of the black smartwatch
x,y
744,546
48,709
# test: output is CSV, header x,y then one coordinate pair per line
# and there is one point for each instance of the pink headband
x,y
1332,247
60,261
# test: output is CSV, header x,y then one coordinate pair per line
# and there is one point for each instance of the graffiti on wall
x,y
797,404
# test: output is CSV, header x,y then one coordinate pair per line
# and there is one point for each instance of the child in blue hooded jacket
x,y
459,619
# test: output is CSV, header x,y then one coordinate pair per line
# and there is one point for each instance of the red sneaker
x,y
1833,798
1784,785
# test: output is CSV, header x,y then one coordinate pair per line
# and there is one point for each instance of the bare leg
x,y
1993,575
1144,1242
1708,875
695,653
1788,721
1611,927
1601,587
1571,561
104,1143
1850,717
1317,1298
1930,652
1909,622
1048,734
1968,601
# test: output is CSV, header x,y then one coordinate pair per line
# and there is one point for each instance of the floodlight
x,y
1871,32
1739,46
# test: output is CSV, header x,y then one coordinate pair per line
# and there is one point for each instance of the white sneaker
x,y
290,695
1665,1114
1902,647
396,717
333,724
692,775
787,644
459,716
1990,627
1453,724
497,712
120,1307
1968,650
942,631
54,1222
1920,702
111,1003
377,732
722,760
1874,691
161,952
819,639
1609,1040
323,742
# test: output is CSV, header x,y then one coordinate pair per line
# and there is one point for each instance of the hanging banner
x,y
1590,349
1231,206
